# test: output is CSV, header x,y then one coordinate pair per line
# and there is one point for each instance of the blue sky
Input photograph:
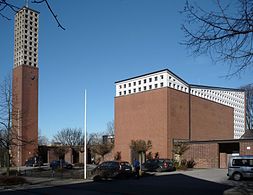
x,y
106,41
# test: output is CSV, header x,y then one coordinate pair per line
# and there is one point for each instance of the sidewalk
x,y
37,182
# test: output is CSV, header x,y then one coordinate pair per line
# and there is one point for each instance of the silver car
x,y
240,167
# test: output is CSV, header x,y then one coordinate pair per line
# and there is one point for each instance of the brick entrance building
x,y
162,107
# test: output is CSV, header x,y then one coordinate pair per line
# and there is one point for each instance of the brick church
x,y
163,108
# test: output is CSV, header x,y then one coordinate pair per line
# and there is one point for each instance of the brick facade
x,y
25,112
164,114
205,155
246,147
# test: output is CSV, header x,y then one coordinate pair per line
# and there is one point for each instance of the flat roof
x,y
189,85
163,70
24,7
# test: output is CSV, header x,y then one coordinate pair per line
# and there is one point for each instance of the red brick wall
x,y
243,147
178,117
141,116
162,115
52,156
205,155
25,102
210,120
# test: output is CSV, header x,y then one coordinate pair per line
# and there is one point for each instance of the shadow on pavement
x,y
169,184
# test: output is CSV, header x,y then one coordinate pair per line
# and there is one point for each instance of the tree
x,y
140,147
71,137
42,140
60,151
6,5
9,137
225,34
249,105
110,127
98,147
179,149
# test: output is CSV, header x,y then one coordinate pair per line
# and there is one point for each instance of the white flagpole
x,y
85,134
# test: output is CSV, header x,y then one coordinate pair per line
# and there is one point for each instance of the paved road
x,y
189,182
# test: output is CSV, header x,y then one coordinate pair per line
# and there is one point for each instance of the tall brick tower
x,y
25,85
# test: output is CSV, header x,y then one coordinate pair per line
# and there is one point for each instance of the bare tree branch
x,y
226,35
249,105
52,12
5,5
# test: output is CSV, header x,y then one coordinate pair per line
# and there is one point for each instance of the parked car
x,y
34,161
240,167
158,165
112,169
60,164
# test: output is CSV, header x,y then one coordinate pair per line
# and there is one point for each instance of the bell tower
x,y
25,85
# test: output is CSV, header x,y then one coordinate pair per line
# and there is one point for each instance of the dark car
x,y
60,164
34,161
112,169
158,165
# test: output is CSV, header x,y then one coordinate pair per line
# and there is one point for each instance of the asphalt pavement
x,y
196,181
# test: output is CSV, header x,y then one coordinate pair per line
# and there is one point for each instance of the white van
x,y
240,167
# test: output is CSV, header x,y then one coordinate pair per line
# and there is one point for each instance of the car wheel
x,y
237,176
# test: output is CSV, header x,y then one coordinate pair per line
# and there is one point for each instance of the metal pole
x,y
85,132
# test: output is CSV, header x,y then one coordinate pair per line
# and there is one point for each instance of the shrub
x,y
12,180
149,156
183,165
117,156
190,163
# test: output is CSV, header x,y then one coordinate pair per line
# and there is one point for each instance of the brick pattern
x,y
205,155
25,110
246,147
162,115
